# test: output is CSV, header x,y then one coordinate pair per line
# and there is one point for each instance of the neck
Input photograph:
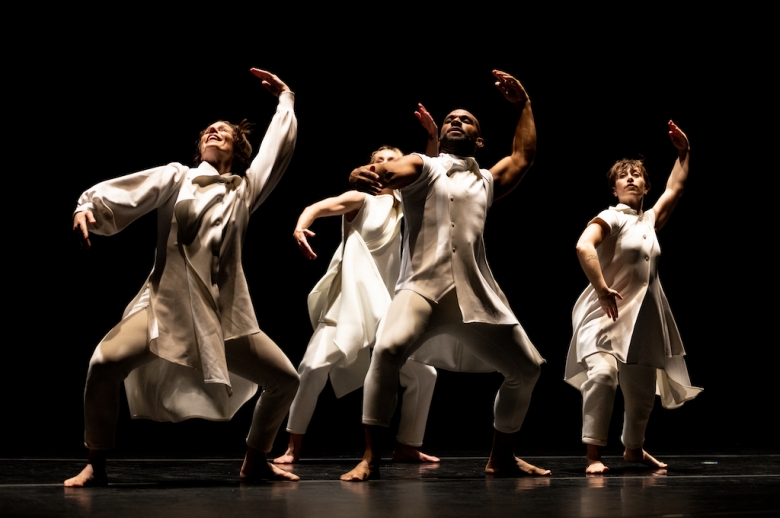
x,y
222,166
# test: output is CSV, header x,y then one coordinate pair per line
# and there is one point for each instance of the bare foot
x,y
641,456
410,454
362,472
514,469
266,471
293,453
88,478
596,467
593,458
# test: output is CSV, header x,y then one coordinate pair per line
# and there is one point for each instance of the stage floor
x,y
702,485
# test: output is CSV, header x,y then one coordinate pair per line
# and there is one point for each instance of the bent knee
x,y
604,375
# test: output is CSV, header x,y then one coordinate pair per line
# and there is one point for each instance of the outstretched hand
x,y
271,83
365,179
608,301
81,222
510,87
300,236
427,122
679,139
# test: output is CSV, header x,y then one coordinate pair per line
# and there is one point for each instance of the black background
x,y
102,94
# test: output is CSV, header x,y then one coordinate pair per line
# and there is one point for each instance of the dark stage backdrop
x,y
106,100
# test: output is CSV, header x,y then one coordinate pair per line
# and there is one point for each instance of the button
x,y
647,258
453,249
644,237
453,224
452,198
644,284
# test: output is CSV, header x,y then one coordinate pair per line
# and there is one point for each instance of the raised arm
x,y
348,203
278,144
396,174
590,239
675,185
508,172
425,118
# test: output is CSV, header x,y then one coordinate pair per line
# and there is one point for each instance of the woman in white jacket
x,y
189,344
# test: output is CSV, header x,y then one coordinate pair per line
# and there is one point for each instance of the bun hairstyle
x,y
242,149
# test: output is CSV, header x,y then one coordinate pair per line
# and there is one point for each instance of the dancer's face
x,y
630,186
460,133
386,155
216,143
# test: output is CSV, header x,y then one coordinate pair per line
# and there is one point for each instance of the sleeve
x,y
275,152
611,218
423,180
118,202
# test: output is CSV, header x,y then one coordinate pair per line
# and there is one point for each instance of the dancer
x,y
445,286
623,328
347,304
193,319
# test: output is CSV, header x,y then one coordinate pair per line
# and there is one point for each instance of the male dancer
x,y
445,286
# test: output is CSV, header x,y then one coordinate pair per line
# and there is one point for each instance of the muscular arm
x,y
675,185
395,174
590,239
348,203
508,172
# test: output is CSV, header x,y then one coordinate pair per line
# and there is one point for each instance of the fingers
x,y
510,87
303,244
270,81
81,220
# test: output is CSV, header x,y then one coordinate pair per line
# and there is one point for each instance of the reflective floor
x,y
717,485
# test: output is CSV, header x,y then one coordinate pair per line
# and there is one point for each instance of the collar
x,y
206,174
625,209
457,164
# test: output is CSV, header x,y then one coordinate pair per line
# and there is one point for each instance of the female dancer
x,y
346,305
623,327
193,319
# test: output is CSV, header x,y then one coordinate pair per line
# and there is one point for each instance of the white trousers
x,y
598,399
417,379
126,347
411,319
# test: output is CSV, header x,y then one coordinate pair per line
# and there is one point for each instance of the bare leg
x,y
405,453
293,453
368,468
256,467
641,456
593,457
94,474
504,463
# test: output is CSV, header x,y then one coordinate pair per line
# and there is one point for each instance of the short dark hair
x,y
626,164
242,149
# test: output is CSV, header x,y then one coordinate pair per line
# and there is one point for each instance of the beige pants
x,y
598,399
126,347
411,319
417,379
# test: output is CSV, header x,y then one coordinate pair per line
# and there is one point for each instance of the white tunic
x,y
197,294
446,209
645,332
355,292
